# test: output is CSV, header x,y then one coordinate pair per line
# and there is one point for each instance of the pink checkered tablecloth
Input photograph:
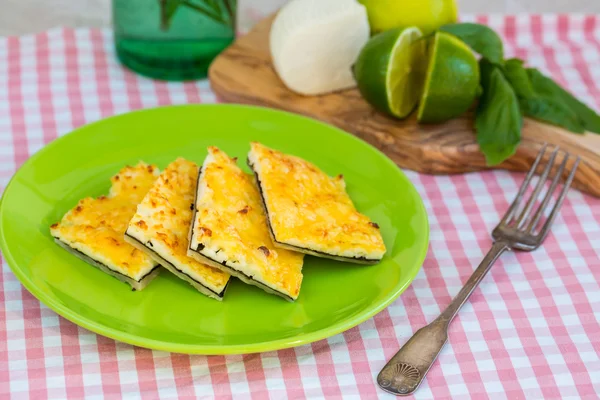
x,y
531,331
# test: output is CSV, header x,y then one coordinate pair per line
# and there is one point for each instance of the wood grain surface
x,y
243,73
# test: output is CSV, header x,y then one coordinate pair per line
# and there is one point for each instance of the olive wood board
x,y
243,73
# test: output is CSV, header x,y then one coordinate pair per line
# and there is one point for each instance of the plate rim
x,y
207,349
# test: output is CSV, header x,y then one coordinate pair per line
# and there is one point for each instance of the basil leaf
x,y
480,38
543,105
168,8
546,87
214,6
552,111
516,74
498,119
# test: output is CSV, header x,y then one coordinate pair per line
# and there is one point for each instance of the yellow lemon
x,y
427,15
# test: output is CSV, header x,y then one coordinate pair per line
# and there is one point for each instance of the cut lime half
x,y
451,82
390,70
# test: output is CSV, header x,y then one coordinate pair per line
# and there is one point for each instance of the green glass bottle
x,y
172,39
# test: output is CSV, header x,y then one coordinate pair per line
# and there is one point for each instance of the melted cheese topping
x,y
163,220
231,227
310,210
95,227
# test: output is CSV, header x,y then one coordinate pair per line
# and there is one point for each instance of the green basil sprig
x,y
510,91
220,11
546,87
538,100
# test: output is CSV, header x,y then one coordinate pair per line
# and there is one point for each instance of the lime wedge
x,y
451,82
390,70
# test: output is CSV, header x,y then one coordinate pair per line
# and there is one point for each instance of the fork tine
x,y
561,198
536,192
540,211
514,205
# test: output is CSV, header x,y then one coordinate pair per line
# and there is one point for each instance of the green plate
x,y
169,314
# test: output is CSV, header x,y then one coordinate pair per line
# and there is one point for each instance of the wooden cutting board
x,y
243,73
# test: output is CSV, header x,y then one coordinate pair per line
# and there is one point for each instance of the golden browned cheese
x,y
309,209
95,227
232,227
164,218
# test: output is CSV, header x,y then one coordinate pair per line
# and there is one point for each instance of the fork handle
x,y
403,374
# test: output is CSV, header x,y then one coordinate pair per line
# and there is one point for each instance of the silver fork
x,y
403,374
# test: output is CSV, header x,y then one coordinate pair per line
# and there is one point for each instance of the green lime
x,y
451,82
389,70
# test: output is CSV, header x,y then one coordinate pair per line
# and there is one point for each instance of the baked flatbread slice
x,y
93,230
310,212
230,231
161,225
